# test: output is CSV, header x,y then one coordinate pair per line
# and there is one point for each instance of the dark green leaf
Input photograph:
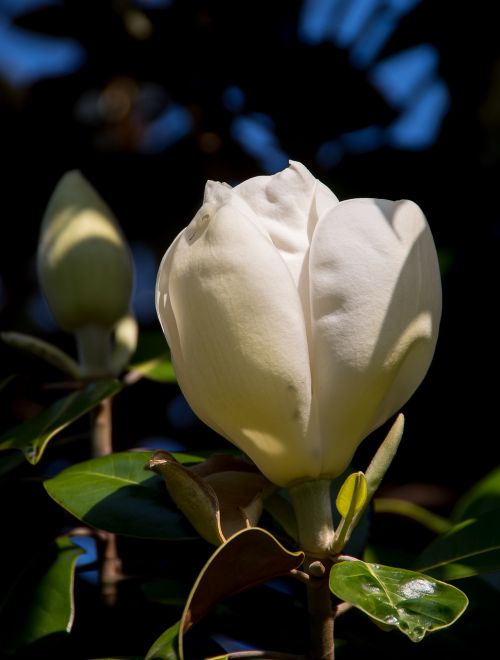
x,y
44,350
9,461
482,498
116,493
165,647
166,591
42,602
412,602
32,436
470,548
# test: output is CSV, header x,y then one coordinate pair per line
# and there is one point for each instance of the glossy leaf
x,y
470,548
412,602
118,494
247,559
483,497
43,597
165,647
32,436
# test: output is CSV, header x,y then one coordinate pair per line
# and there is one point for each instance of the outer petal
x,y
235,327
287,206
376,306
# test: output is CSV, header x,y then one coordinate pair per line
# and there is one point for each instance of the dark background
x,y
384,98
159,96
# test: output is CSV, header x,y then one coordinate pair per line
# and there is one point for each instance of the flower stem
x,y
321,617
313,509
102,429
94,349
110,563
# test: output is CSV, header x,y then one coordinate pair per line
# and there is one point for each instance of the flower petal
x,y
376,306
245,368
287,206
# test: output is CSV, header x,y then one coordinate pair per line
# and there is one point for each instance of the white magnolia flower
x,y
298,324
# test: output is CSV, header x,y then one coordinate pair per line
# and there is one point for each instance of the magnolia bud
x,y
84,264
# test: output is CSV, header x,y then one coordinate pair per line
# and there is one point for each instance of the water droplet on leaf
x,y
416,634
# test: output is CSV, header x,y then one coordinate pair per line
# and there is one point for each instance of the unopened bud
x,y
84,264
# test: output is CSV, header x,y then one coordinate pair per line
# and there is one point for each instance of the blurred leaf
x,y
32,437
41,603
159,369
5,381
470,548
9,461
43,350
118,494
481,498
417,513
247,559
165,647
412,602
166,591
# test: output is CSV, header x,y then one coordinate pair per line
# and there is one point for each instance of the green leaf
x,y
42,602
481,498
159,369
412,602
349,502
32,436
166,591
116,493
44,350
428,519
247,559
470,548
352,494
165,647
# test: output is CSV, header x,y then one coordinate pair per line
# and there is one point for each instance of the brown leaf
x,y
250,557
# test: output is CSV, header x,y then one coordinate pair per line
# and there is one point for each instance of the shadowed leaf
x,y
32,436
470,548
165,647
41,603
116,493
249,558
